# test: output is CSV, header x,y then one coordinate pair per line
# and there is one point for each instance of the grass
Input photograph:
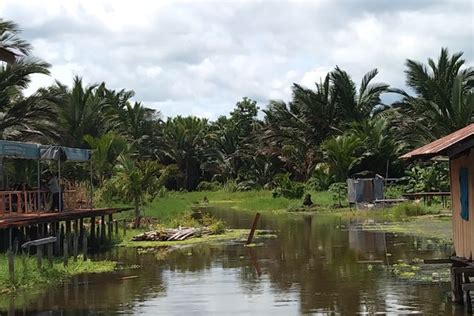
x,y
175,204
28,275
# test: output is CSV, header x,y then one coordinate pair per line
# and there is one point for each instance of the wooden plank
x,y
39,242
468,287
437,261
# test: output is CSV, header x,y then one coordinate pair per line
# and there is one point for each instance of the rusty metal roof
x,y
441,146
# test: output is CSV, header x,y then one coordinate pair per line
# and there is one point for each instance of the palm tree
x,y
10,40
21,117
137,182
381,148
81,111
443,101
342,153
356,105
185,140
106,150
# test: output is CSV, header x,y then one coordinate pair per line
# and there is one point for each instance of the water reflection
x,y
312,267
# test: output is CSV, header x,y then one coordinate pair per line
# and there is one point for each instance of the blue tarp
x,y
64,153
19,150
464,185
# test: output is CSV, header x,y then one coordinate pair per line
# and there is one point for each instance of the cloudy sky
x,y
200,58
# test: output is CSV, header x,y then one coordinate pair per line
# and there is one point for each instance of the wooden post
x,y
102,228
254,227
61,235
10,238
15,246
11,266
50,254
456,286
116,227
57,244
124,227
76,226
65,251
81,227
84,246
92,230
109,226
75,242
68,234
39,255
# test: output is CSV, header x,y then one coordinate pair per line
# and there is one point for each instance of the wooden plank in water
x,y
437,261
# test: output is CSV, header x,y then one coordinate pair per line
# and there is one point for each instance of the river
x,y
316,265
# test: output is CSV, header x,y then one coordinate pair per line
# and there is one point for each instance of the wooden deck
x,y
11,220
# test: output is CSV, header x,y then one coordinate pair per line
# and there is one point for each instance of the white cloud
x,y
200,58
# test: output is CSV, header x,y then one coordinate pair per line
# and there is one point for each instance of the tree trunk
x,y
137,214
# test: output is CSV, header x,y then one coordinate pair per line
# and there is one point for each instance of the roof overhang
x,y
447,146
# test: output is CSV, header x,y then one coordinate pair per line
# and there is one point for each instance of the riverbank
x,y
407,218
29,276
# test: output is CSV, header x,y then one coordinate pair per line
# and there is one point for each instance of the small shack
x,y
365,190
458,147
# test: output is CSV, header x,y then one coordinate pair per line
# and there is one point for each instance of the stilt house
x,y
459,148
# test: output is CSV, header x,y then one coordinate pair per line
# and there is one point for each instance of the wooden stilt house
x,y
459,148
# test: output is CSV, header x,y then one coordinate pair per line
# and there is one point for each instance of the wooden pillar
x,y
84,247
10,238
116,227
102,228
68,234
50,254
109,226
456,286
92,230
75,245
65,252
81,228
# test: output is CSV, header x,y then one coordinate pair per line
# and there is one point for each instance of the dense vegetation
x,y
324,134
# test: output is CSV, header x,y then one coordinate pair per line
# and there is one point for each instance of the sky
x,y
201,57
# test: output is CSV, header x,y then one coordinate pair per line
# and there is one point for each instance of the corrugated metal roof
x,y
440,146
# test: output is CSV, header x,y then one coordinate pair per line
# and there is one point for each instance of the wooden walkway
x,y
12,220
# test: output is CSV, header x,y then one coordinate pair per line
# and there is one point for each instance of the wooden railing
x,y
33,201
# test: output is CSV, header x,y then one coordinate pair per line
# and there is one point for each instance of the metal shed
x,y
365,190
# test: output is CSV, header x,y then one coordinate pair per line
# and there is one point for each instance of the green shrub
x,y
208,186
287,188
394,191
247,185
321,179
230,186
338,191
427,178
412,209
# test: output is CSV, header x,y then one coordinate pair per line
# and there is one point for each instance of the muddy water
x,y
317,265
